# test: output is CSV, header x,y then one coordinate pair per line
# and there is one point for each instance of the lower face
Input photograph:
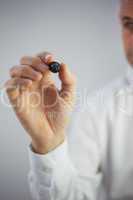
x,y
126,16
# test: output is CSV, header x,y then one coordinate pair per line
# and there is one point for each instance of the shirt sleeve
x,y
71,171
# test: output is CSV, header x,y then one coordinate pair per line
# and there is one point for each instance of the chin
x,y
131,63
130,60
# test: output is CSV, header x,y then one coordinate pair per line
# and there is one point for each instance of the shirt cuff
x,y
51,160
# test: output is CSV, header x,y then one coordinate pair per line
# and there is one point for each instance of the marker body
x,y
54,67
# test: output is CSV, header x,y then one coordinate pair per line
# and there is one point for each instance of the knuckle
x,y
29,71
35,61
46,56
15,81
7,83
30,60
20,82
24,83
13,68
23,70
37,75
23,59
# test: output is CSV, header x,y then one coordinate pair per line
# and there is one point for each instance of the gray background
x,y
85,34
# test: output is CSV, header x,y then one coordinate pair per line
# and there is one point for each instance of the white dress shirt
x,y
96,159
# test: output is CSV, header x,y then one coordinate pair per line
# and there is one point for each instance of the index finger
x,y
46,57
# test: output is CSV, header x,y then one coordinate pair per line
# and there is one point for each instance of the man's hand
x,y
43,110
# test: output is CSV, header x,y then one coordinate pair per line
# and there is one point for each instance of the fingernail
x,y
47,58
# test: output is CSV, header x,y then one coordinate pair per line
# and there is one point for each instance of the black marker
x,y
54,67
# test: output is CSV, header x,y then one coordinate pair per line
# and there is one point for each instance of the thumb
x,y
68,83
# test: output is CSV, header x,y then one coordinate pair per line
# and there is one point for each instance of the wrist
x,y
44,149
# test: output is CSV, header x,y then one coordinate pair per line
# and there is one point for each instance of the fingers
x,y
30,69
40,63
46,57
67,78
36,69
68,81
16,85
35,62
25,71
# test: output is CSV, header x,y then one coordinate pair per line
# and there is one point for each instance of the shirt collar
x,y
129,74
